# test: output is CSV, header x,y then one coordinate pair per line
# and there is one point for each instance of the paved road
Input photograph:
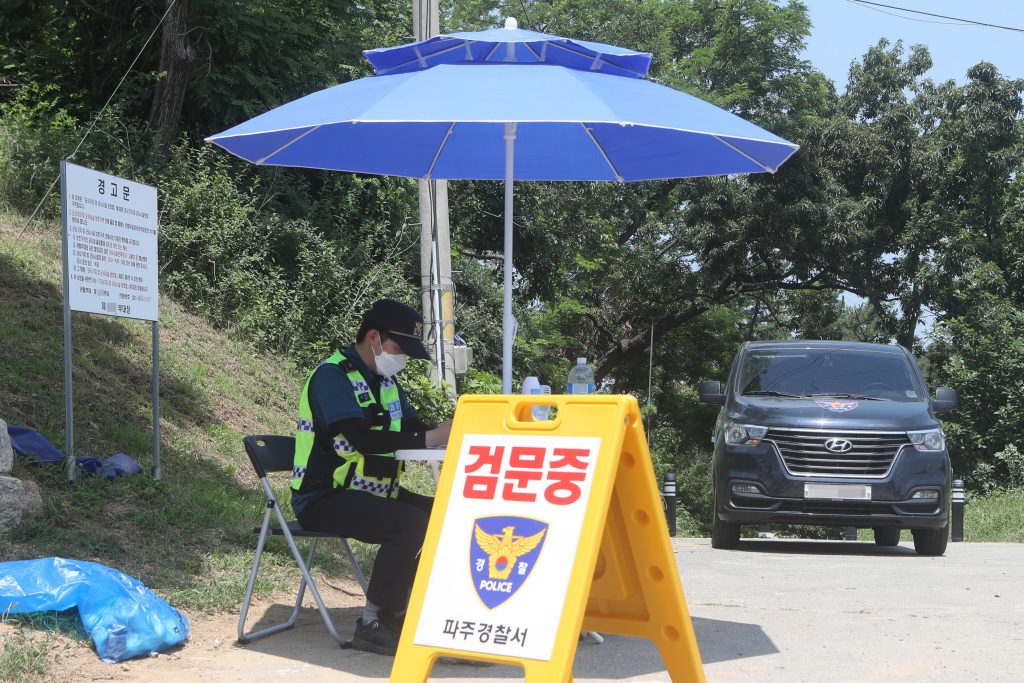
x,y
851,611
772,611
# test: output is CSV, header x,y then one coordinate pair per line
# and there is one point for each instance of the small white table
x,y
425,454
428,455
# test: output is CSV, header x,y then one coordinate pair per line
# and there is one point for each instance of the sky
x,y
844,30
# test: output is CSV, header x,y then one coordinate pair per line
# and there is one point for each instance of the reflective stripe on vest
x,y
352,468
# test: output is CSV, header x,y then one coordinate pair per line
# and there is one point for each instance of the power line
x,y
904,16
939,16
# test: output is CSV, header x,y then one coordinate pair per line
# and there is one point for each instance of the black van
x,y
830,433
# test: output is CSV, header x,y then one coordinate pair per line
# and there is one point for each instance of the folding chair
x,y
275,454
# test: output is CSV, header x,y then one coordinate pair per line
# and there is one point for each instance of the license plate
x,y
838,491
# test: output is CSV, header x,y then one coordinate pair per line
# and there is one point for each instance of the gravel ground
x,y
784,611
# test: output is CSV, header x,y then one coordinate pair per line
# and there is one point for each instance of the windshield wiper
x,y
854,397
769,392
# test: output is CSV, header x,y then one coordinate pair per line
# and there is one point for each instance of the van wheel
x,y
887,535
931,541
724,535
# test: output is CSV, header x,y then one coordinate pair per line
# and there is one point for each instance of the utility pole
x,y
435,243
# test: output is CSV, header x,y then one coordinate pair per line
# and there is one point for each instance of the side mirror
x,y
711,392
945,399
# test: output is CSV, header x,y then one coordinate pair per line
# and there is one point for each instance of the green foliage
x,y
285,284
1013,460
237,70
694,490
743,55
479,382
35,134
983,358
316,45
432,402
80,49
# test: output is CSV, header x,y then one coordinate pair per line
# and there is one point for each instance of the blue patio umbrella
x,y
510,121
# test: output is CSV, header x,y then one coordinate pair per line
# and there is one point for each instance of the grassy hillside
x,y
189,535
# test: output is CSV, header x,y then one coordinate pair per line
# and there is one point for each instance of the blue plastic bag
x,y
25,441
123,617
117,465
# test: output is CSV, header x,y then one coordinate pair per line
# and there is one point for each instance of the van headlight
x,y
737,434
927,440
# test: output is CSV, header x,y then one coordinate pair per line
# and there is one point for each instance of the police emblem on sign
x,y
502,553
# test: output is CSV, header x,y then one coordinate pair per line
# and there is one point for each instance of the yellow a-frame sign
x,y
541,530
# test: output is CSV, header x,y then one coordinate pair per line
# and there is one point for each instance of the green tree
x,y
82,48
256,55
981,354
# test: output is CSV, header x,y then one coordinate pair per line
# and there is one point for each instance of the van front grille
x,y
868,454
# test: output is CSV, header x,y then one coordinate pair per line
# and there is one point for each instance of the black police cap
x,y
402,323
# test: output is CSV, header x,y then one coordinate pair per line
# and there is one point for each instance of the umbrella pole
x,y
508,323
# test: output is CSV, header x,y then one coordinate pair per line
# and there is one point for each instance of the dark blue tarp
x,y
123,617
27,441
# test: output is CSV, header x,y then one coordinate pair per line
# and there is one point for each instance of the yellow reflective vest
x,y
376,474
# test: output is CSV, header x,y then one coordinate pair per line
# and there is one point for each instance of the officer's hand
x,y
439,435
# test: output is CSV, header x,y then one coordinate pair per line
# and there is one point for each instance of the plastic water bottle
x,y
581,378
532,386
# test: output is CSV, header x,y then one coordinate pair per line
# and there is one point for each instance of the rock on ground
x,y
6,451
18,499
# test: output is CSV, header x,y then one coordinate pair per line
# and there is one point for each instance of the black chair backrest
x,y
270,453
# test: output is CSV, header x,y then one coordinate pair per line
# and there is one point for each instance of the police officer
x,y
353,416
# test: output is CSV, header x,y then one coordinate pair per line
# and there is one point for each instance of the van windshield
x,y
829,372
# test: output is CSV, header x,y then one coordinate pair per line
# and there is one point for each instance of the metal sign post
x,y
69,419
156,400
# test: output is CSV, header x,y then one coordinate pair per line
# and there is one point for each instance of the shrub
x,y
1013,461
35,135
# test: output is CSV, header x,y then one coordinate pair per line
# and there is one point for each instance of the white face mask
x,y
389,364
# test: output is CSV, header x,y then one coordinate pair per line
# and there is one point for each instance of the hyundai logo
x,y
838,445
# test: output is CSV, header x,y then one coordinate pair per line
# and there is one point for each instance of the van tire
x,y
887,536
724,535
931,541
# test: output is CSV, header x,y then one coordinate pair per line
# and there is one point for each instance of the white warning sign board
x,y
510,538
111,237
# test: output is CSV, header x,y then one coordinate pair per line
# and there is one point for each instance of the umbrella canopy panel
x,y
447,122
506,45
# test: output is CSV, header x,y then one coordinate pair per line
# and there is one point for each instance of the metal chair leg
x,y
304,567
302,582
244,637
307,580
302,586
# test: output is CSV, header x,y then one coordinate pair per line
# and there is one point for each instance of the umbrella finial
x,y
511,23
